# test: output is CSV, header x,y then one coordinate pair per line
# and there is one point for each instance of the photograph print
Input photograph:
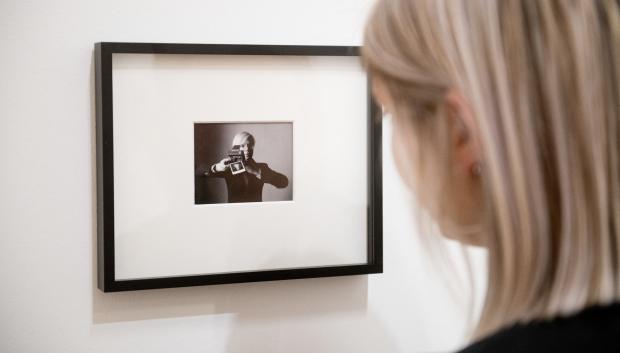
x,y
243,162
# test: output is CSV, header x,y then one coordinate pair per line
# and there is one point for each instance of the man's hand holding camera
x,y
250,166
221,165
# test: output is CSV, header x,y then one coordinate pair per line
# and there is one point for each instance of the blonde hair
x,y
243,138
543,81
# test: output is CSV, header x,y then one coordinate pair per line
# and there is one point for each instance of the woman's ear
x,y
380,92
464,134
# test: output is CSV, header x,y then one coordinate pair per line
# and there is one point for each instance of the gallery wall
x,y
48,297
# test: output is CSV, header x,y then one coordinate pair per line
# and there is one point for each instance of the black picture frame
x,y
107,281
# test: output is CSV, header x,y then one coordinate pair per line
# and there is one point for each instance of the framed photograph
x,y
234,163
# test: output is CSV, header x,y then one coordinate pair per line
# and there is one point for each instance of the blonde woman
x,y
506,121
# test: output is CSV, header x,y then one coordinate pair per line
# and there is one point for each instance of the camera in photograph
x,y
237,157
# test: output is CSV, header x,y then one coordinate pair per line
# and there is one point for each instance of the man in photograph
x,y
244,176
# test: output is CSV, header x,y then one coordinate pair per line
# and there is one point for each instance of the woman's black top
x,y
594,330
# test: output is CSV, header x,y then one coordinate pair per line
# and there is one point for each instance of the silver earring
x,y
476,169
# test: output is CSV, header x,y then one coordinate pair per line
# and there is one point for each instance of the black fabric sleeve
x,y
211,173
270,176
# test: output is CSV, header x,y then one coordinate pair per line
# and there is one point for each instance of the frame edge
x,y
106,280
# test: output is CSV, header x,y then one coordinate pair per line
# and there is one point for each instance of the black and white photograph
x,y
243,162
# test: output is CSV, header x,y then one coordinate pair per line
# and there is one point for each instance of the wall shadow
x,y
252,301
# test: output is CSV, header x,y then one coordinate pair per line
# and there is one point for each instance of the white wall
x,y
48,298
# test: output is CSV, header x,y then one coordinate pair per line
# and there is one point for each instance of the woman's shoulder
x,y
593,330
